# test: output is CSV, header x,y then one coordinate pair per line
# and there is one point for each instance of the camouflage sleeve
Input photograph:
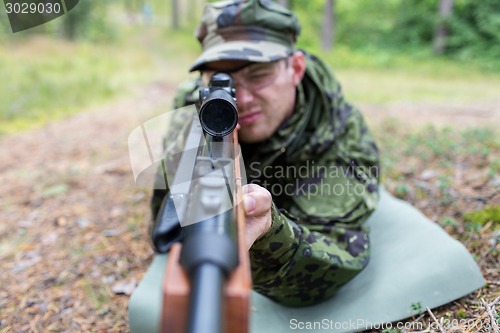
x,y
306,266
317,241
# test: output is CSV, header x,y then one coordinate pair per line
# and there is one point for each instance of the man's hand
x,y
257,202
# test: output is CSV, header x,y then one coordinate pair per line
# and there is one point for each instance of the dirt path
x,y
73,225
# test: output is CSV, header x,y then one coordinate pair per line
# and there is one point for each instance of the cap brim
x,y
254,51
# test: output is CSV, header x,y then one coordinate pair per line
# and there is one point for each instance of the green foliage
x,y
448,220
385,29
391,330
474,28
431,144
381,30
5,29
365,24
417,308
402,190
415,22
88,20
360,24
483,216
57,83
311,24
494,168
446,143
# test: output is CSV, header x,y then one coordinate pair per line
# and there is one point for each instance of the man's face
x,y
265,93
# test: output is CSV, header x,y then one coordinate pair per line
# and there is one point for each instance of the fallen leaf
x,y
124,287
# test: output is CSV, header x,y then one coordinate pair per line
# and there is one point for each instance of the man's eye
x,y
258,75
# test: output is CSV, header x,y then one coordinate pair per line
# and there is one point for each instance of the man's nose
x,y
243,95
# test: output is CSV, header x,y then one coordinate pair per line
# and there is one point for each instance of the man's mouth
x,y
248,118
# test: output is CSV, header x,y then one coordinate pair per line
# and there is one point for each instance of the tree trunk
x,y
75,22
175,14
328,34
441,32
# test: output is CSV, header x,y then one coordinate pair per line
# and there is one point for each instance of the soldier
x,y
311,162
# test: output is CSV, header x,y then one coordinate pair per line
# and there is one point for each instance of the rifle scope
x,y
218,113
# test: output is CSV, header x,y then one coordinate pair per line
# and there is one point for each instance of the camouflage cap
x,y
250,30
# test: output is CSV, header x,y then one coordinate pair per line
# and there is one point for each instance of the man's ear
x,y
298,65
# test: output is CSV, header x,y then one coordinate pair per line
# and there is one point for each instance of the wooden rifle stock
x,y
237,289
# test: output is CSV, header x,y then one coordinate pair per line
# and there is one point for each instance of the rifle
x,y
207,284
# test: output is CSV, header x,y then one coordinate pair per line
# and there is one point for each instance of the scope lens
x,y
218,118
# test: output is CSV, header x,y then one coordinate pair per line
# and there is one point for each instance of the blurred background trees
x,y
109,45
460,28
463,29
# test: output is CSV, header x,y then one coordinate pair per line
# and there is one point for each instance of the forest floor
x,y
73,224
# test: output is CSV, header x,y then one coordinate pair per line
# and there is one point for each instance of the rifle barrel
x,y
206,299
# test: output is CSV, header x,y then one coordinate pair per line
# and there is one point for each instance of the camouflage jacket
x,y
321,167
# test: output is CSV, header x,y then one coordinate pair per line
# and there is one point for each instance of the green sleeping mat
x,y
414,262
